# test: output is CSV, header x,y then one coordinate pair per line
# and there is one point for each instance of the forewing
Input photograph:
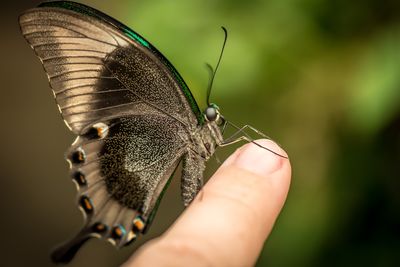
x,y
98,71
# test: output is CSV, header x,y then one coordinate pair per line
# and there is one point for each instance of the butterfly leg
x,y
234,138
192,176
242,130
230,140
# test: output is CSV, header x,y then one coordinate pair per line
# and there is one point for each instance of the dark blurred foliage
x,y
321,77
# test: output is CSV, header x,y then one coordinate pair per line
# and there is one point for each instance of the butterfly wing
x,y
122,167
97,71
129,107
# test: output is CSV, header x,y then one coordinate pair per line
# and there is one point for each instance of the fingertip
x,y
265,159
239,204
228,222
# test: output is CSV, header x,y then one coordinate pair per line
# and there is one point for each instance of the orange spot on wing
x,y
139,224
87,204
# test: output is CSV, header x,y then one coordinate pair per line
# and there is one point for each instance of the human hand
x,y
230,219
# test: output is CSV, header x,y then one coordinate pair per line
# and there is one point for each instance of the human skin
x,y
230,219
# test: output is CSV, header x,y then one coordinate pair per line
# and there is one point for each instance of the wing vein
x,y
72,50
73,63
63,56
46,22
93,93
84,78
53,43
101,109
71,71
74,87
93,102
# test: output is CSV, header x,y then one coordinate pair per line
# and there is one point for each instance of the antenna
x,y
214,71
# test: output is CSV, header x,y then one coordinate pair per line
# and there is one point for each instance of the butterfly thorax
x,y
206,139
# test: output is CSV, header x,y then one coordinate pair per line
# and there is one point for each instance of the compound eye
x,y
211,114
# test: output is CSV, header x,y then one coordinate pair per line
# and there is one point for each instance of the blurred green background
x,y
321,77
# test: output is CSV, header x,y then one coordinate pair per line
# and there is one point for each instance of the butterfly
x,y
134,116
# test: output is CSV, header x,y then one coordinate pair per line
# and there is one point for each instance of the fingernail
x,y
259,160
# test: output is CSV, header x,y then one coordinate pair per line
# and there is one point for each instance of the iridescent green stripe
x,y
136,37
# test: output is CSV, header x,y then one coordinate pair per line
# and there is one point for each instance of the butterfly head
x,y
212,114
